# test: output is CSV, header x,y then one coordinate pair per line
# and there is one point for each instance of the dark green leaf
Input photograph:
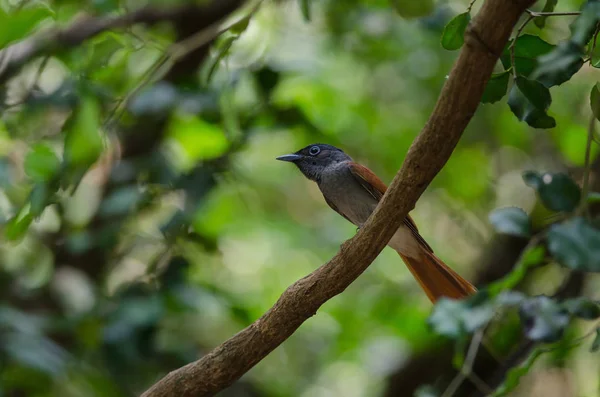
x,y
575,244
596,343
559,65
513,221
39,198
527,50
413,9
16,26
496,87
583,308
453,36
536,93
543,319
41,163
557,191
548,7
533,113
595,101
305,8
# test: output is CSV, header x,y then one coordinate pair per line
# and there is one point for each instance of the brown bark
x,y
485,38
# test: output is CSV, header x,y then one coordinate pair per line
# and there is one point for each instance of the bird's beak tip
x,y
289,157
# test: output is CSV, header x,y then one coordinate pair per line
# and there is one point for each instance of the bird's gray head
x,y
314,159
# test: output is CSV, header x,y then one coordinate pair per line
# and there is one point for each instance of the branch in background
x,y
13,58
485,38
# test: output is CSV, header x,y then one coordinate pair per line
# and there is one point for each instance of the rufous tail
x,y
436,278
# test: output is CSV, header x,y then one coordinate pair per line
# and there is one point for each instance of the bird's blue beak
x,y
289,157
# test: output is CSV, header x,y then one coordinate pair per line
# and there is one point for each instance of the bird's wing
x,y
376,188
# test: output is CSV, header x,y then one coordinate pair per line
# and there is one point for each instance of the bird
x,y
353,191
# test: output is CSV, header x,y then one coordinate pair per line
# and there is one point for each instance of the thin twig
x,y
513,44
471,5
536,14
467,367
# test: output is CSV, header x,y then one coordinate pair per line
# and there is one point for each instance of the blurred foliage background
x,y
145,219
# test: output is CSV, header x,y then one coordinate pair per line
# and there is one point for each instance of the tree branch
x,y
485,38
13,58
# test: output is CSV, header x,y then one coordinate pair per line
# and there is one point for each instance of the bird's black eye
x,y
313,151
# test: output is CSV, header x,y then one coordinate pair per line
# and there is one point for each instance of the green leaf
x,y
83,141
513,221
41,163
536,93
559,65
496,87
413,9
39,198
527,50
528,100
583,308
305,9
593,198
559,192
16,228
543,319
595,101
513,377
596,343
453,36
16,26
575,244
195,139
540,22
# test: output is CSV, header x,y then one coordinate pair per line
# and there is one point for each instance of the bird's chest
x,y
342,190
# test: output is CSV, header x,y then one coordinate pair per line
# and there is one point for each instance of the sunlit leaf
x,y
453,36
513,221
84,142
41,163
16,228
575,244
17,25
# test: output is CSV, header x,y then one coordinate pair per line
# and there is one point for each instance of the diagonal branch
x,y
485,38
14,57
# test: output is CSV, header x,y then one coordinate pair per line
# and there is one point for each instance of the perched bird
x,y
353,191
